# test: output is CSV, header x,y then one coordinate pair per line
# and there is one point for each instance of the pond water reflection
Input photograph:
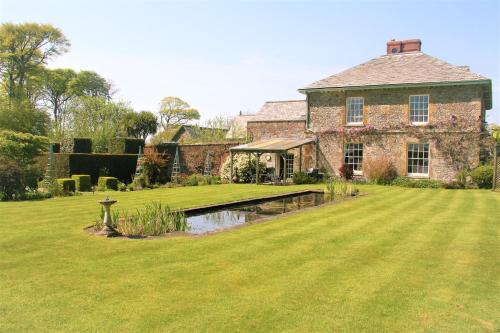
x,y
228,217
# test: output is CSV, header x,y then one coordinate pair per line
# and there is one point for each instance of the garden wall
x,y
192,156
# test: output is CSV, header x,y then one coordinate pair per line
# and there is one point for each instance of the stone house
x,y
425,115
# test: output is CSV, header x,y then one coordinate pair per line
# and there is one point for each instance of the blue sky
x,y
223,57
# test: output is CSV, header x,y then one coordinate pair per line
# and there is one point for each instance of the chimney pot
x,y
400,46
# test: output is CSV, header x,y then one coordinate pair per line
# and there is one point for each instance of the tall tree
x,y
23,49
57,91
88,83
175,111
141,124
98,119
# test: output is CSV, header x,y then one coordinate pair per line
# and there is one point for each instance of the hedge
x,y
121,145
107,183
121,166
82,183
76,145
67,184
56,147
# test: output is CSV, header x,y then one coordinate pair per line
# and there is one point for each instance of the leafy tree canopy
x,y
88,83
99,119
21,148
23,49
140,125
175,111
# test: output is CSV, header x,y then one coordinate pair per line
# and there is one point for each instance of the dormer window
x,y
419,109
354,114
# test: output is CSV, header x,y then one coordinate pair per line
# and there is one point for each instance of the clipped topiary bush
x,y
121,145
66,184
482,176
107,183
82,183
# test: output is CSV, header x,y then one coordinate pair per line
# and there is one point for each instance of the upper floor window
x,y
354,113
418,159
419,109
353,156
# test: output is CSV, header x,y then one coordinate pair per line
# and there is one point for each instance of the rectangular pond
x,y
203,220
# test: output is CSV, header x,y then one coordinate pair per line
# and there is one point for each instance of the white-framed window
x,y
289,166
354,114
353,156
419,109
418,159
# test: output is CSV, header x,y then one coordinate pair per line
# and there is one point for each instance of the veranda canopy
x,y
271,145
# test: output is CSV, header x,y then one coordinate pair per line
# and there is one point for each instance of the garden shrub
x,y
124,145
461,178
379,170
107,183
303,178
22,148
417,183
82,183
454,185
11,175
199,179
346,171
153,165
482,176
67,184
241,168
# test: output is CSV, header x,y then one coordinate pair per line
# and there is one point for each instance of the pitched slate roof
x,y
397,69
281,110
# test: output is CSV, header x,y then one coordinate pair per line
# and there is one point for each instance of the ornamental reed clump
x,y
379,170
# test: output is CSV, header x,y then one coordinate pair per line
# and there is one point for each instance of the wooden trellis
x,y
496,169
176,168
207,171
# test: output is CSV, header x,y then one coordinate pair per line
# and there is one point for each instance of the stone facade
x,y
388,111
261,130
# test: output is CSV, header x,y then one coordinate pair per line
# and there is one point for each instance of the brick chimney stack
x,y
400,46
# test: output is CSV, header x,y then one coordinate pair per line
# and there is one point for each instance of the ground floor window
x,y
289,166
418,159
353,156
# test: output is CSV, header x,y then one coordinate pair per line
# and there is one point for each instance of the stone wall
x,y
393,146
192,156
260,130
390,107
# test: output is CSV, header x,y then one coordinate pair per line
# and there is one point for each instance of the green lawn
x,y
395,260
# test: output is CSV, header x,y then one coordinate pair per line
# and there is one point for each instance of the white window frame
x,y
354,123
418,174
360,157
418,123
